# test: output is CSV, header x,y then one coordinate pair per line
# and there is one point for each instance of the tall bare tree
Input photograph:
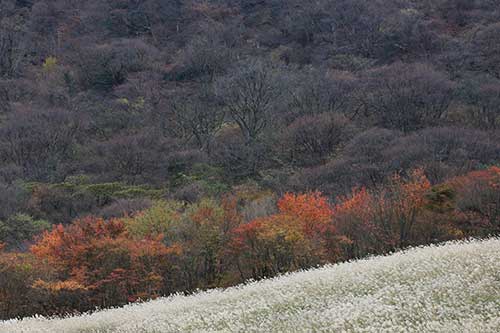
x,y
249,93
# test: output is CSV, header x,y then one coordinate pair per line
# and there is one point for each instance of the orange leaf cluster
x,y
99,255
287,239
311,210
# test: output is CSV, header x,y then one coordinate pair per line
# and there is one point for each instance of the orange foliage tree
x,y
404,200
290,239
99,256
18,297
377,221
478,201
354,221
309,210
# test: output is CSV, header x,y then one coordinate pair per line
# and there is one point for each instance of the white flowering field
x,y
449,288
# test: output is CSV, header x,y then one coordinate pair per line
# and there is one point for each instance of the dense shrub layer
x,y
445,288
175,246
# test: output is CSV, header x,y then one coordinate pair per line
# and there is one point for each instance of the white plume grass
x,y
453,287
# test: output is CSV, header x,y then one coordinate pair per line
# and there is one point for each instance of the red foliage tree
x,y
376,221
354,221
291,239
311,210
100,257
478,201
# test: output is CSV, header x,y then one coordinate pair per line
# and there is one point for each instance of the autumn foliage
x,y
478,200
311,211
290,239
175,246
100,258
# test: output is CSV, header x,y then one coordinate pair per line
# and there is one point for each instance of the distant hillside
x,y
448,288
190,97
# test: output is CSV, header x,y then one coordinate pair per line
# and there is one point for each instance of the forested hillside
x,y
155,146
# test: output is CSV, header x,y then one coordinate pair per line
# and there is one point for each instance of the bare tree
x,y
12,41
406,97
138,158
210,52
486,50
484,98
315,91
313,138
40,142
195,117
4,97
249,93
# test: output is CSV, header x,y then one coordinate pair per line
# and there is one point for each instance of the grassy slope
x,y
450,288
